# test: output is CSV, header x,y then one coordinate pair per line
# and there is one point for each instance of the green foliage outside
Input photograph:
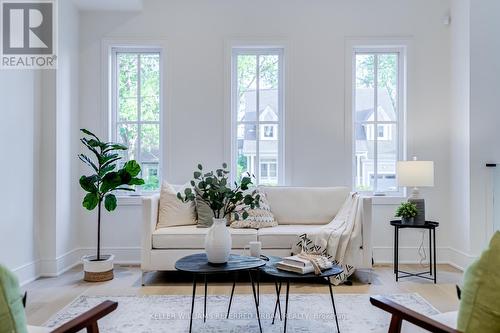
x,y
387,74
149,105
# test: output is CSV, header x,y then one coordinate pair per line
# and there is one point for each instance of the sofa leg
x,y
143,278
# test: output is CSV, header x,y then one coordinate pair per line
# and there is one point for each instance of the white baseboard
x,y
28,272
409,255
63,263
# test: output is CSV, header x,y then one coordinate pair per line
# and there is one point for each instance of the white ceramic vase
x,y
218,242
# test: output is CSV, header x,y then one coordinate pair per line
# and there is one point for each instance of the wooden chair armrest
x,y
400,313
88,319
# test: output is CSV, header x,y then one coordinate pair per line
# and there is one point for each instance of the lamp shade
x,y
415,173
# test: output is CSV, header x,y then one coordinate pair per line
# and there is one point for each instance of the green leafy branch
x,y
213,189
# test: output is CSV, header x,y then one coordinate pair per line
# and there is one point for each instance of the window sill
x,y
129,200
387,200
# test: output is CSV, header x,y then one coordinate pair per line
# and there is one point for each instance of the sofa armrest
x,y
150,206
400,313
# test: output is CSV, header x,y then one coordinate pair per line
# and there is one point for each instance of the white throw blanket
x,y
341,239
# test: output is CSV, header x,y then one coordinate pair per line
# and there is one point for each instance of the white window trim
x,y
106,101
376,45
250,49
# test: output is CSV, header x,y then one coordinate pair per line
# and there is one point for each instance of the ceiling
x,y
116,5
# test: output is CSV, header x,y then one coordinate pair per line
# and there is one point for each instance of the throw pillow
x,y
204,212
173,212
480,302
12,315
259,217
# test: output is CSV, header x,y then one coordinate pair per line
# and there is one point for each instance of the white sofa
x,y
298,210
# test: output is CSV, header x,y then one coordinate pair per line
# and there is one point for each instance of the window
x,y
378,110
136,109
257,112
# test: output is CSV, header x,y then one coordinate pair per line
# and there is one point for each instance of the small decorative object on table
x,y
100,186
431,274
213,189
407,212
416,174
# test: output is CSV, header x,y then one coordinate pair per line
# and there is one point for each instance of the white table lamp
x,y
416,174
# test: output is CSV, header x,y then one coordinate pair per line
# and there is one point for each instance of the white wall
x,y
39,130
460,134
196,33
20,96
484,114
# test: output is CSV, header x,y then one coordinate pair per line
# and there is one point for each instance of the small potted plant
x,y
407,212
100,185
213,189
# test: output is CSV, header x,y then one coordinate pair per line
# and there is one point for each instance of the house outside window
x,y
378,113
136,109
257,112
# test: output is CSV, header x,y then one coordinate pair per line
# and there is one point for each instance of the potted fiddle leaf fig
x,y
105,178
213,189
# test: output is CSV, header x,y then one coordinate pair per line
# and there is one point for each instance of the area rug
x,y
307,313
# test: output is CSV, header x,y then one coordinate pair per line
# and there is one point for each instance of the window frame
x,y
377,49
257,51
113,106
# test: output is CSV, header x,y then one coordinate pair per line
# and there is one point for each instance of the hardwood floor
x,y
47,296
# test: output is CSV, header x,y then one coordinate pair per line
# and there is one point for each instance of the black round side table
x,y
285,276
431,226
197,264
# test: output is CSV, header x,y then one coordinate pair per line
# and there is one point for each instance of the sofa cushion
x,y
305,205
258,217
480,301
283,236
191,237
12,316
172,211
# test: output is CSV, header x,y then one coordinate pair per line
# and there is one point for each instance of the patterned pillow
x,y
259,217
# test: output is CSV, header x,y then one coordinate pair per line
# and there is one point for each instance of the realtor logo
x,y
28,34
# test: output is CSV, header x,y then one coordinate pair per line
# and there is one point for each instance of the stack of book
x,y
297,264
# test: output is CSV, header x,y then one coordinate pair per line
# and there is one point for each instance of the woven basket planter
x,y
98,277
98,271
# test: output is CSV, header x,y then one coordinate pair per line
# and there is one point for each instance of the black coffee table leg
x,y
278,303
205,302
286,302
192,303
232,293
333,303
255,299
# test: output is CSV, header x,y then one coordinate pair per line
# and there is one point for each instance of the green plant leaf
x,y
110,181
136,181
132,167
200,167
85,159
196,174
90,201
106,169
224,165
86,131
88,183
110,202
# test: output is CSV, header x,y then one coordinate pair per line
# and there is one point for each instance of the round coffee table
x,y
197,264
285,276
